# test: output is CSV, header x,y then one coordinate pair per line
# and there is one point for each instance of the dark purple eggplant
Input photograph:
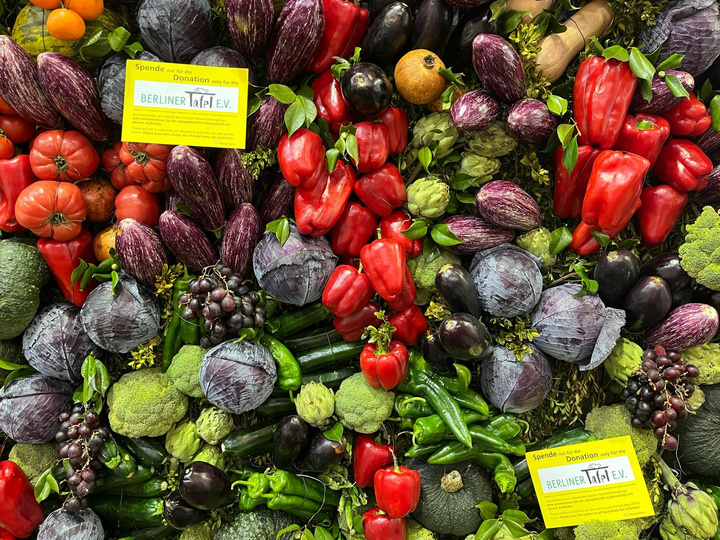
x,y
187,241
476,234
465,337
466,4
267,125
531,122
439,359
278,200
647,303
294,39
206,487
662,99
387,35
290,438
499,67
686,327
322,454
242,233
366,88
616,272
194,180
431,26
140,251
179,514
711,194
474,111
237,186
682,297
224,57
456,287
458,51
376,7
667,266
250,23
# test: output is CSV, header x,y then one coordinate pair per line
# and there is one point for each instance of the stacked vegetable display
x,y
357,325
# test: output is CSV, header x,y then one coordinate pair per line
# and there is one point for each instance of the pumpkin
x,y
417,77
31,33
448,495
699,436
258,524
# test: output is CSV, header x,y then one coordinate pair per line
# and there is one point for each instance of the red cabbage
x,y
81,525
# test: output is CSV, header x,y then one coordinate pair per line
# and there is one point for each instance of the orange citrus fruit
x,y
89,10
65,25
46,4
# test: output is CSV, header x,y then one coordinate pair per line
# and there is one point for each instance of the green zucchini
x,y
150,452
313,339
276,407
251,441
573,436
109,481
331,379
150,533
117,459
292,322
155,487
329,356
128,511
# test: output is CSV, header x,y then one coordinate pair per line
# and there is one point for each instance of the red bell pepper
x,y
318,208
407,296
395,121
4,535
353,230
346,291
368,457
383,190
15,175
409,325
397,490
345,25
377,525
689,118
384,262
601,97
393,225
302,158
643,135
373,146
20,513
330,103
682,165
353,327
583,242
614,186
570,188
63,257
384,367
661,208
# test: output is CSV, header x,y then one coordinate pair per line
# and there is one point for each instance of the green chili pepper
x,y
455,385
189,330
288,371
173,336
246,502
454,452
431,429
257,485
293,322
297,506
417,450
504,426
470,399
302,486
407,406
482,435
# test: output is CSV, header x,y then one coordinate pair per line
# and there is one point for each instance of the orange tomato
x,y
103,242
66,25
46,4
89,10
5,108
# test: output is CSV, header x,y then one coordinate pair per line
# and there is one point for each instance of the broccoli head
x,y
424,268
700,254
614,421
607,530
361,407
34,459
145,403
184,371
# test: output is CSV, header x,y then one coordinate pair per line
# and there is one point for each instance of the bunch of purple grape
x,y
80,438
657,396
226,306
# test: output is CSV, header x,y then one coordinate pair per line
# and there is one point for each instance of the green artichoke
x,y
182,441
493,141
315,404
212,455
428,197
214,424
624,360
436,131
537,242
479,167
424,268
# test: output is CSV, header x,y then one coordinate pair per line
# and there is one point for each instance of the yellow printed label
x,y
598,480
185,104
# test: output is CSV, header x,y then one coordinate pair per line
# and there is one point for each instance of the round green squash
x,y
699,436
259,524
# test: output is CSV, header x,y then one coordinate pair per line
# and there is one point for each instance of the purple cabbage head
x,y
516,386
55,343
29,408
224,57
81,525
296,272
508,280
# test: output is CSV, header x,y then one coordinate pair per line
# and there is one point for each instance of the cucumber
x,y
128,511
313,339
109,481
151,533
276,407
290,323
117,459
573,436
329,356
254,440
150,452
155,487
332,379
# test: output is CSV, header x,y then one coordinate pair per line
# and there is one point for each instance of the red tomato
x,y
7,148
5,108
138,203
51,209
116,168
63,155
17,129
147,164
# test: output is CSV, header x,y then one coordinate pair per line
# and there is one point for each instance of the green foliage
x,y
700,254
514,334
631,16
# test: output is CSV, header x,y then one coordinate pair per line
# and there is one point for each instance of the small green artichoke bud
x,y
212,455
436,130
624,360
182,441
479,167
315,404
537,242
214,425
693,513
428,197
493,141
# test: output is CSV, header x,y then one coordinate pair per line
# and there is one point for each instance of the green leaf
x,y
447,97
546,21
570,155
616,52
488,509
42,487
511,19
644,125
640,65
425,157
560,238
462,181
557,105
321,533
706,91
132,49
645,89
418,229
596,47
305,91
9,366
281,229
101,380
335,433
307,535
497,8
565,133
715,113
488,529
118,38
294,117
465,198
332,157
675,86
87,276
352,147
79,271
628,243
282,93
442,234
431,251
289,528
21,373
308,108
671,62
115,279
653,56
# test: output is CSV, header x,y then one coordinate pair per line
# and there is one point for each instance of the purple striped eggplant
x,y
267,125
140,251
250,23
237,185
531,122
224,57
20,88
193,179
71,89
186,240
687,326
294,39
278,200
241,234
476,234
709,142
474,111
711,194
507,205
662,99
172,201
499,67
